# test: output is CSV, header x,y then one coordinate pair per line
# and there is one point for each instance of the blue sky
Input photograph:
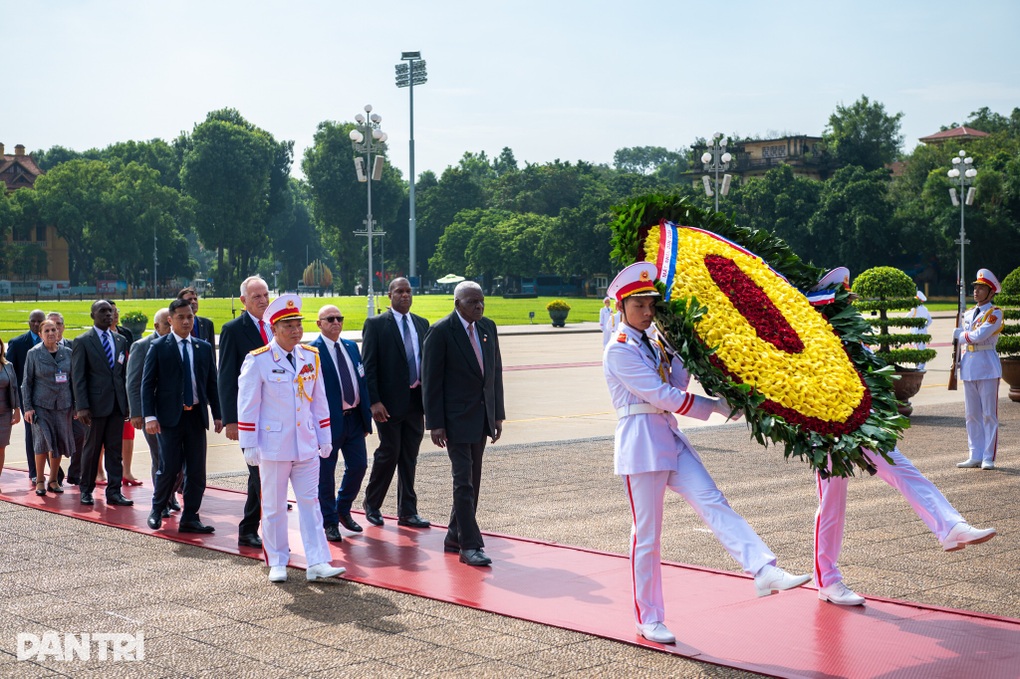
x,y
568,80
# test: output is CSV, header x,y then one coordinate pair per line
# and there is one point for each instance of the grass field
x,y
14,315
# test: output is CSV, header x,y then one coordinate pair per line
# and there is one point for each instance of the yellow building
x,y
37,253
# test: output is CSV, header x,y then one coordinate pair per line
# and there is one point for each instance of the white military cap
x,y
637,279
986,277
282,308
838,276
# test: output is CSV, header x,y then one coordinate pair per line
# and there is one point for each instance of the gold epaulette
x,y
260,350
310,348
622,337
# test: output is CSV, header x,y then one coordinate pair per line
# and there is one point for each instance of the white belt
x,y
980,347
637,409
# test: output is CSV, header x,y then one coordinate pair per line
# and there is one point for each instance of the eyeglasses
x,y
332,319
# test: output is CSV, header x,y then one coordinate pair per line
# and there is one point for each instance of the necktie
x,y
290,357
189,392
346,385
412,365
474,345
262,331
107,348
648,343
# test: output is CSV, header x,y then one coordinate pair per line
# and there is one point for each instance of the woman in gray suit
x,y
10,403
46,394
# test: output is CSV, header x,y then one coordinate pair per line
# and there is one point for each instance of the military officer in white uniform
x,y
647,386
283,424
925,499
607,320
921,311
981,371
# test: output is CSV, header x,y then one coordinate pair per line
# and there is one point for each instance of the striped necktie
x,y
106,347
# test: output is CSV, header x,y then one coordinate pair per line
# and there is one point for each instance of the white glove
x,y
251,456
724,409
325,449
957,333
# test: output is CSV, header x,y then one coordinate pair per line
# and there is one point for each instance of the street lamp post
x,y
962,180
365,132
716,159
408,75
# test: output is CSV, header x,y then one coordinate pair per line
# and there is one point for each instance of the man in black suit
x,y
343,378
17,350
203,327
462,383
178,389
97,380
237,338
391,344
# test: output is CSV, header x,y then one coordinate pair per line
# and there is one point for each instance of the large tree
x,y
853,225
863,134
780,202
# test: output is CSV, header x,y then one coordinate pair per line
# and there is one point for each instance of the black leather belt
x,y
350,411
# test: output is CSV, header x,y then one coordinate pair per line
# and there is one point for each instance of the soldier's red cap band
x,y
633,288
284,314
984,281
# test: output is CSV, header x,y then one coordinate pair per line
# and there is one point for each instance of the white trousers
x,y
693,482
927,501
981,398
304,476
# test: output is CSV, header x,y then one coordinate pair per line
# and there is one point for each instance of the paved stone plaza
x,y
205,613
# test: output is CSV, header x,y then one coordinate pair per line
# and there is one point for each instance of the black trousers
x,y
182,447
105,433
399,442
252,505
466,461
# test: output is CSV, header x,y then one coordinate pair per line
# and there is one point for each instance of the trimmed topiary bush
x,y
1009,301
884,289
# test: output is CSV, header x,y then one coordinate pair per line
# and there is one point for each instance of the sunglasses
x,y
332,319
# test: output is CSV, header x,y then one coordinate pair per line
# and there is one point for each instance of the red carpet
x,y
718,620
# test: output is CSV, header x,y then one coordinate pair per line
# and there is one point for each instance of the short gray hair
x,y
249,279
463,287
56,314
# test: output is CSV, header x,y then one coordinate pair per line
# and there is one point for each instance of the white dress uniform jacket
x,y
978,358
648,442
273,412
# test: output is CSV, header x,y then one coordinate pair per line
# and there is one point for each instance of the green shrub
x,y
557,305
132,317
885,289
1009,300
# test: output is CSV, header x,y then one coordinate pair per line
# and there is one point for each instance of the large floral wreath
x,y
733,309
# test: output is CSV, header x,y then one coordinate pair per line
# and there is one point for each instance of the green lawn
x,y
14,315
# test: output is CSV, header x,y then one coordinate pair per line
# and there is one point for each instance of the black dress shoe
x,y
165,513
40,491
173,505
119,500
451,547
333,533
372,515
413,521
86,499
250,540
195,527
154,521
72,480
348,522
474,557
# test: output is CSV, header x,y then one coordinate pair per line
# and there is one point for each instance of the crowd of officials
x,y
296,409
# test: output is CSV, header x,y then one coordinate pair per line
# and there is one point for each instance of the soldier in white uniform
x,y
647,385
283,424
981,371
607,320
926,500
921,311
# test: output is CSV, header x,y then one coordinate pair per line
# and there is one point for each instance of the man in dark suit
x,y
203,328
238,337
462,383
17,350
178,390
135,365
97,380
391,343
350,422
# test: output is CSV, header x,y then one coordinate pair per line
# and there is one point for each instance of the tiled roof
x,y
18,172
954,133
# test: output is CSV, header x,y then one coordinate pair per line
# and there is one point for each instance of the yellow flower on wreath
x,y
820,381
